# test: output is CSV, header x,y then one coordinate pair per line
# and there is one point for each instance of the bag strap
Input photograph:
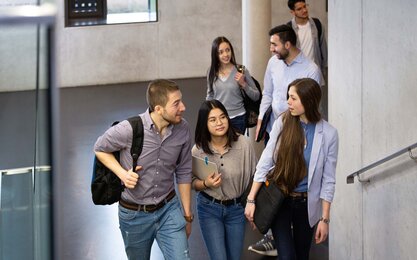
x,y
319,30
318,26
137,140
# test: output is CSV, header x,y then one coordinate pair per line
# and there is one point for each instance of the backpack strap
x,y
137,140
318,26
319,30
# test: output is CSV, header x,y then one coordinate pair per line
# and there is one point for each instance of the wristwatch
x,y
189,219
325,220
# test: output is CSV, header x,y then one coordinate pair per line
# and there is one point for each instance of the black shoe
x,y
265,246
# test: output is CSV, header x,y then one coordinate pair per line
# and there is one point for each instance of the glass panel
x,y
111,12
126,11
130,6
25,191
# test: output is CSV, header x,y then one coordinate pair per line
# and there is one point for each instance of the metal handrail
x,y
350,178
42,168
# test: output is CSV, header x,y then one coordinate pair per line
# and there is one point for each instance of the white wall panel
x,y
345,95
389,109
372,101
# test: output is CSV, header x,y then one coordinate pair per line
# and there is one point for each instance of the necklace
x,y
225,71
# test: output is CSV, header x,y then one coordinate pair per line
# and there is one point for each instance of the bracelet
x,y
250,201
189,219
204,183
325,220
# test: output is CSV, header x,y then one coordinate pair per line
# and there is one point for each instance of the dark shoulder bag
x,y
267,204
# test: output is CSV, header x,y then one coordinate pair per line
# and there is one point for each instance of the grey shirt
x,y
161,158
228,92
237,166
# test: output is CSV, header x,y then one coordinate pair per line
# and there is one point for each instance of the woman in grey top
x,y
220,212
225,82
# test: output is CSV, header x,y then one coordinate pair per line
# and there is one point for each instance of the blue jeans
x,y
222,227
293,243
166,225
239,123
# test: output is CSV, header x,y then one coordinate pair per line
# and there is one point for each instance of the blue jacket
x,y
321,170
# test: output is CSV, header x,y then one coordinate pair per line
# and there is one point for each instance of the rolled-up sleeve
x,y
183,171
116,138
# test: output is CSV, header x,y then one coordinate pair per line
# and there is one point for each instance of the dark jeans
x,y
239,123
291,230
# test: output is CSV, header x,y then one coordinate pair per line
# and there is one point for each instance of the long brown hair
x,y
215,61
290,166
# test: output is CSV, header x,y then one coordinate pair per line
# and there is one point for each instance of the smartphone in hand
x,y
241,69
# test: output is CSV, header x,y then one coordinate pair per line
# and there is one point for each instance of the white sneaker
x,y
265,246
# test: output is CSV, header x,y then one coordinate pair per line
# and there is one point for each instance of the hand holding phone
x,y
241,69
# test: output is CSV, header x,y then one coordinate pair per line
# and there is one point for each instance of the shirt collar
x,y
148,123
235,145
298,59
147,120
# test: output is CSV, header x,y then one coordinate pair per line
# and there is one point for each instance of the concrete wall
x,y
372,102
177,46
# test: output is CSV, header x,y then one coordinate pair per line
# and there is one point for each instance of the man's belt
x,y
147,208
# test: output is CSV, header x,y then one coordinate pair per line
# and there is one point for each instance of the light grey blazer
x,y
321,170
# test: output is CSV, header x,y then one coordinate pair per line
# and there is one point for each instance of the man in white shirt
x,y
310,33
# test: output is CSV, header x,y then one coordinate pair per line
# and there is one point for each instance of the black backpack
x,y
251,106
106,187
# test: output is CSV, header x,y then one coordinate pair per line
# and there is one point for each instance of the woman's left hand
x,y
240,78
249,213
322,232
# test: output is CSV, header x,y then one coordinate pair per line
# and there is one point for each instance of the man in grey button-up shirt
x,y
166,153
